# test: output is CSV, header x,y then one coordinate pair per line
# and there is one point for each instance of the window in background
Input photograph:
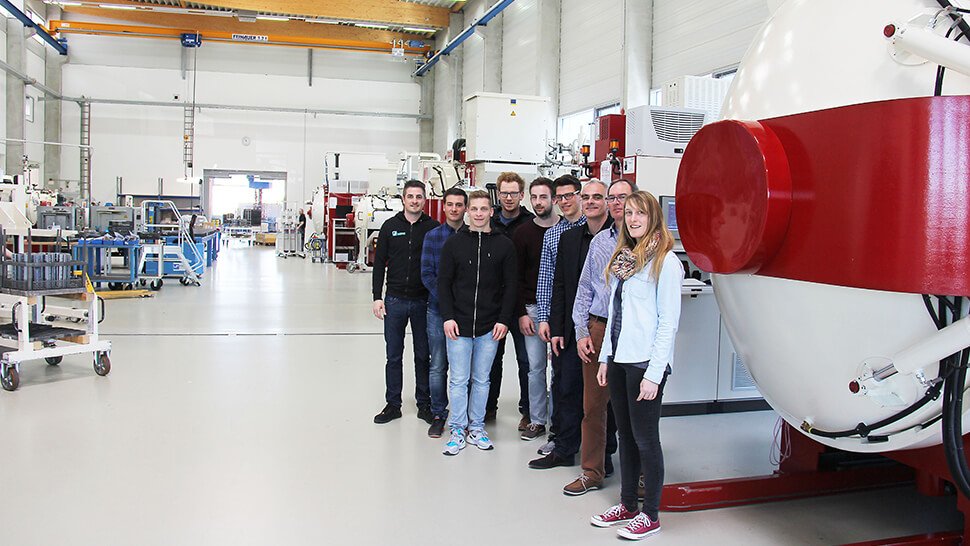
x,y
29,109
607,110
576,127
656,97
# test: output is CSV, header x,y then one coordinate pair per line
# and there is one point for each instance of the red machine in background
x,y
341,236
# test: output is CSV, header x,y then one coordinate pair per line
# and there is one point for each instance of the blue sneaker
x,y
456,443
479,439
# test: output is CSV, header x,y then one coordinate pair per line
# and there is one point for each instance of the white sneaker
x,y
479,439
456,443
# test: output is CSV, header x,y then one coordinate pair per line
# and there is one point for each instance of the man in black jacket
x,y
567,366
399,247
508,216
476,297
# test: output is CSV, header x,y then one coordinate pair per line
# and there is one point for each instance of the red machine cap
x,y
734,192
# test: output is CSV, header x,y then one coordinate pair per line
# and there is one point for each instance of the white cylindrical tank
x,y
801,340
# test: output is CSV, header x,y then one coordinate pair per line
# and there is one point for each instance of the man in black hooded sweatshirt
x,y
476,297
399,246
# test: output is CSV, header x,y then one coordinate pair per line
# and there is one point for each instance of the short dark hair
x,y
569,180
455,191
414,184
542,181
633,186
480,194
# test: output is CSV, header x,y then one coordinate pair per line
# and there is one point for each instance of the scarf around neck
x,y
624,265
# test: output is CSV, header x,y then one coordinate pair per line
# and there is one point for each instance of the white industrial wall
x,y
591,54
701,36
141,144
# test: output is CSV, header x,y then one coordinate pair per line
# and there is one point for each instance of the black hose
x,y
961,22
956,459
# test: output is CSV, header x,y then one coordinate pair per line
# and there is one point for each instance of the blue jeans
x,y
438,376
469,359
400,311
538,393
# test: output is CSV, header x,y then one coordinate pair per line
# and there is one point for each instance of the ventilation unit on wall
x,y
699,93
661,131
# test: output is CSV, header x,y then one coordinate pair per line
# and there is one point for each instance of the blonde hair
x,y
644,202
479,194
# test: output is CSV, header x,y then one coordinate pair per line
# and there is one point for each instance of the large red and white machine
x,y
832,205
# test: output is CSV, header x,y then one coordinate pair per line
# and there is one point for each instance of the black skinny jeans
x,y
638,426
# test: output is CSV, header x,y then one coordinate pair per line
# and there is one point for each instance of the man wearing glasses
x,y
588,315
507,219
567,189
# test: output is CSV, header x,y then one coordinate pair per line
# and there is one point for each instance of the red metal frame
x,y
800,476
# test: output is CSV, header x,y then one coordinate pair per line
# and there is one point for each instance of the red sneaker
x,y
641,527
615,514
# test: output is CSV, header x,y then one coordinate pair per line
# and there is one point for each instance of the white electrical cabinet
x,y
657,175
505,128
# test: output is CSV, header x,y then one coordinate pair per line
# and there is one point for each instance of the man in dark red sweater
x,y
528,247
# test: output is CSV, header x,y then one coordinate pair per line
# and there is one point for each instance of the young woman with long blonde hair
x,y
645,279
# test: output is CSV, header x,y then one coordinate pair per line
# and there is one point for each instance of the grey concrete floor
x,y
240,412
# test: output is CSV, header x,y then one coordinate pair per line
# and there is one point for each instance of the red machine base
x,y
803,475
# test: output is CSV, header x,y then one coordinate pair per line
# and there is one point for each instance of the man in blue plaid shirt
x,y
456,201
567,188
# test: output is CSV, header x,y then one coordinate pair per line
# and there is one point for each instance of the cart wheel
x,y
114,285
183,282
142,282
129,286
54,360
156,285
10,378
102,364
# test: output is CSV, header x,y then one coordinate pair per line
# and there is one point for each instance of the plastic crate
x,y
44,273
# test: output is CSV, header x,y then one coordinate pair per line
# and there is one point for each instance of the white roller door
x,y
520,47
590,52
701,36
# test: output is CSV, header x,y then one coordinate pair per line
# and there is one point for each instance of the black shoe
x,y
608,466
388,414
490,415
551,461
437,427
424,413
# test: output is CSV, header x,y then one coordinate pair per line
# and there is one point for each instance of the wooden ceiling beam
x,y
207,23
392,12
384,12
145,31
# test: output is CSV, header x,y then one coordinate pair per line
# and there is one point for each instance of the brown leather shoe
x,y
523,422
581,485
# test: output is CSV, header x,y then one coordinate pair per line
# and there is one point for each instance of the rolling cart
x,y
36,329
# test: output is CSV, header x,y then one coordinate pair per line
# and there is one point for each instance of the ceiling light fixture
x,y
416,29
271,18
116,6
375,27
323,21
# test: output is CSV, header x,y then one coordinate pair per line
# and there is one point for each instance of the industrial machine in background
x,y
839,255
63,217
115,219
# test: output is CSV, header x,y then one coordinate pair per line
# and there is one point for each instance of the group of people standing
x,y
599,285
